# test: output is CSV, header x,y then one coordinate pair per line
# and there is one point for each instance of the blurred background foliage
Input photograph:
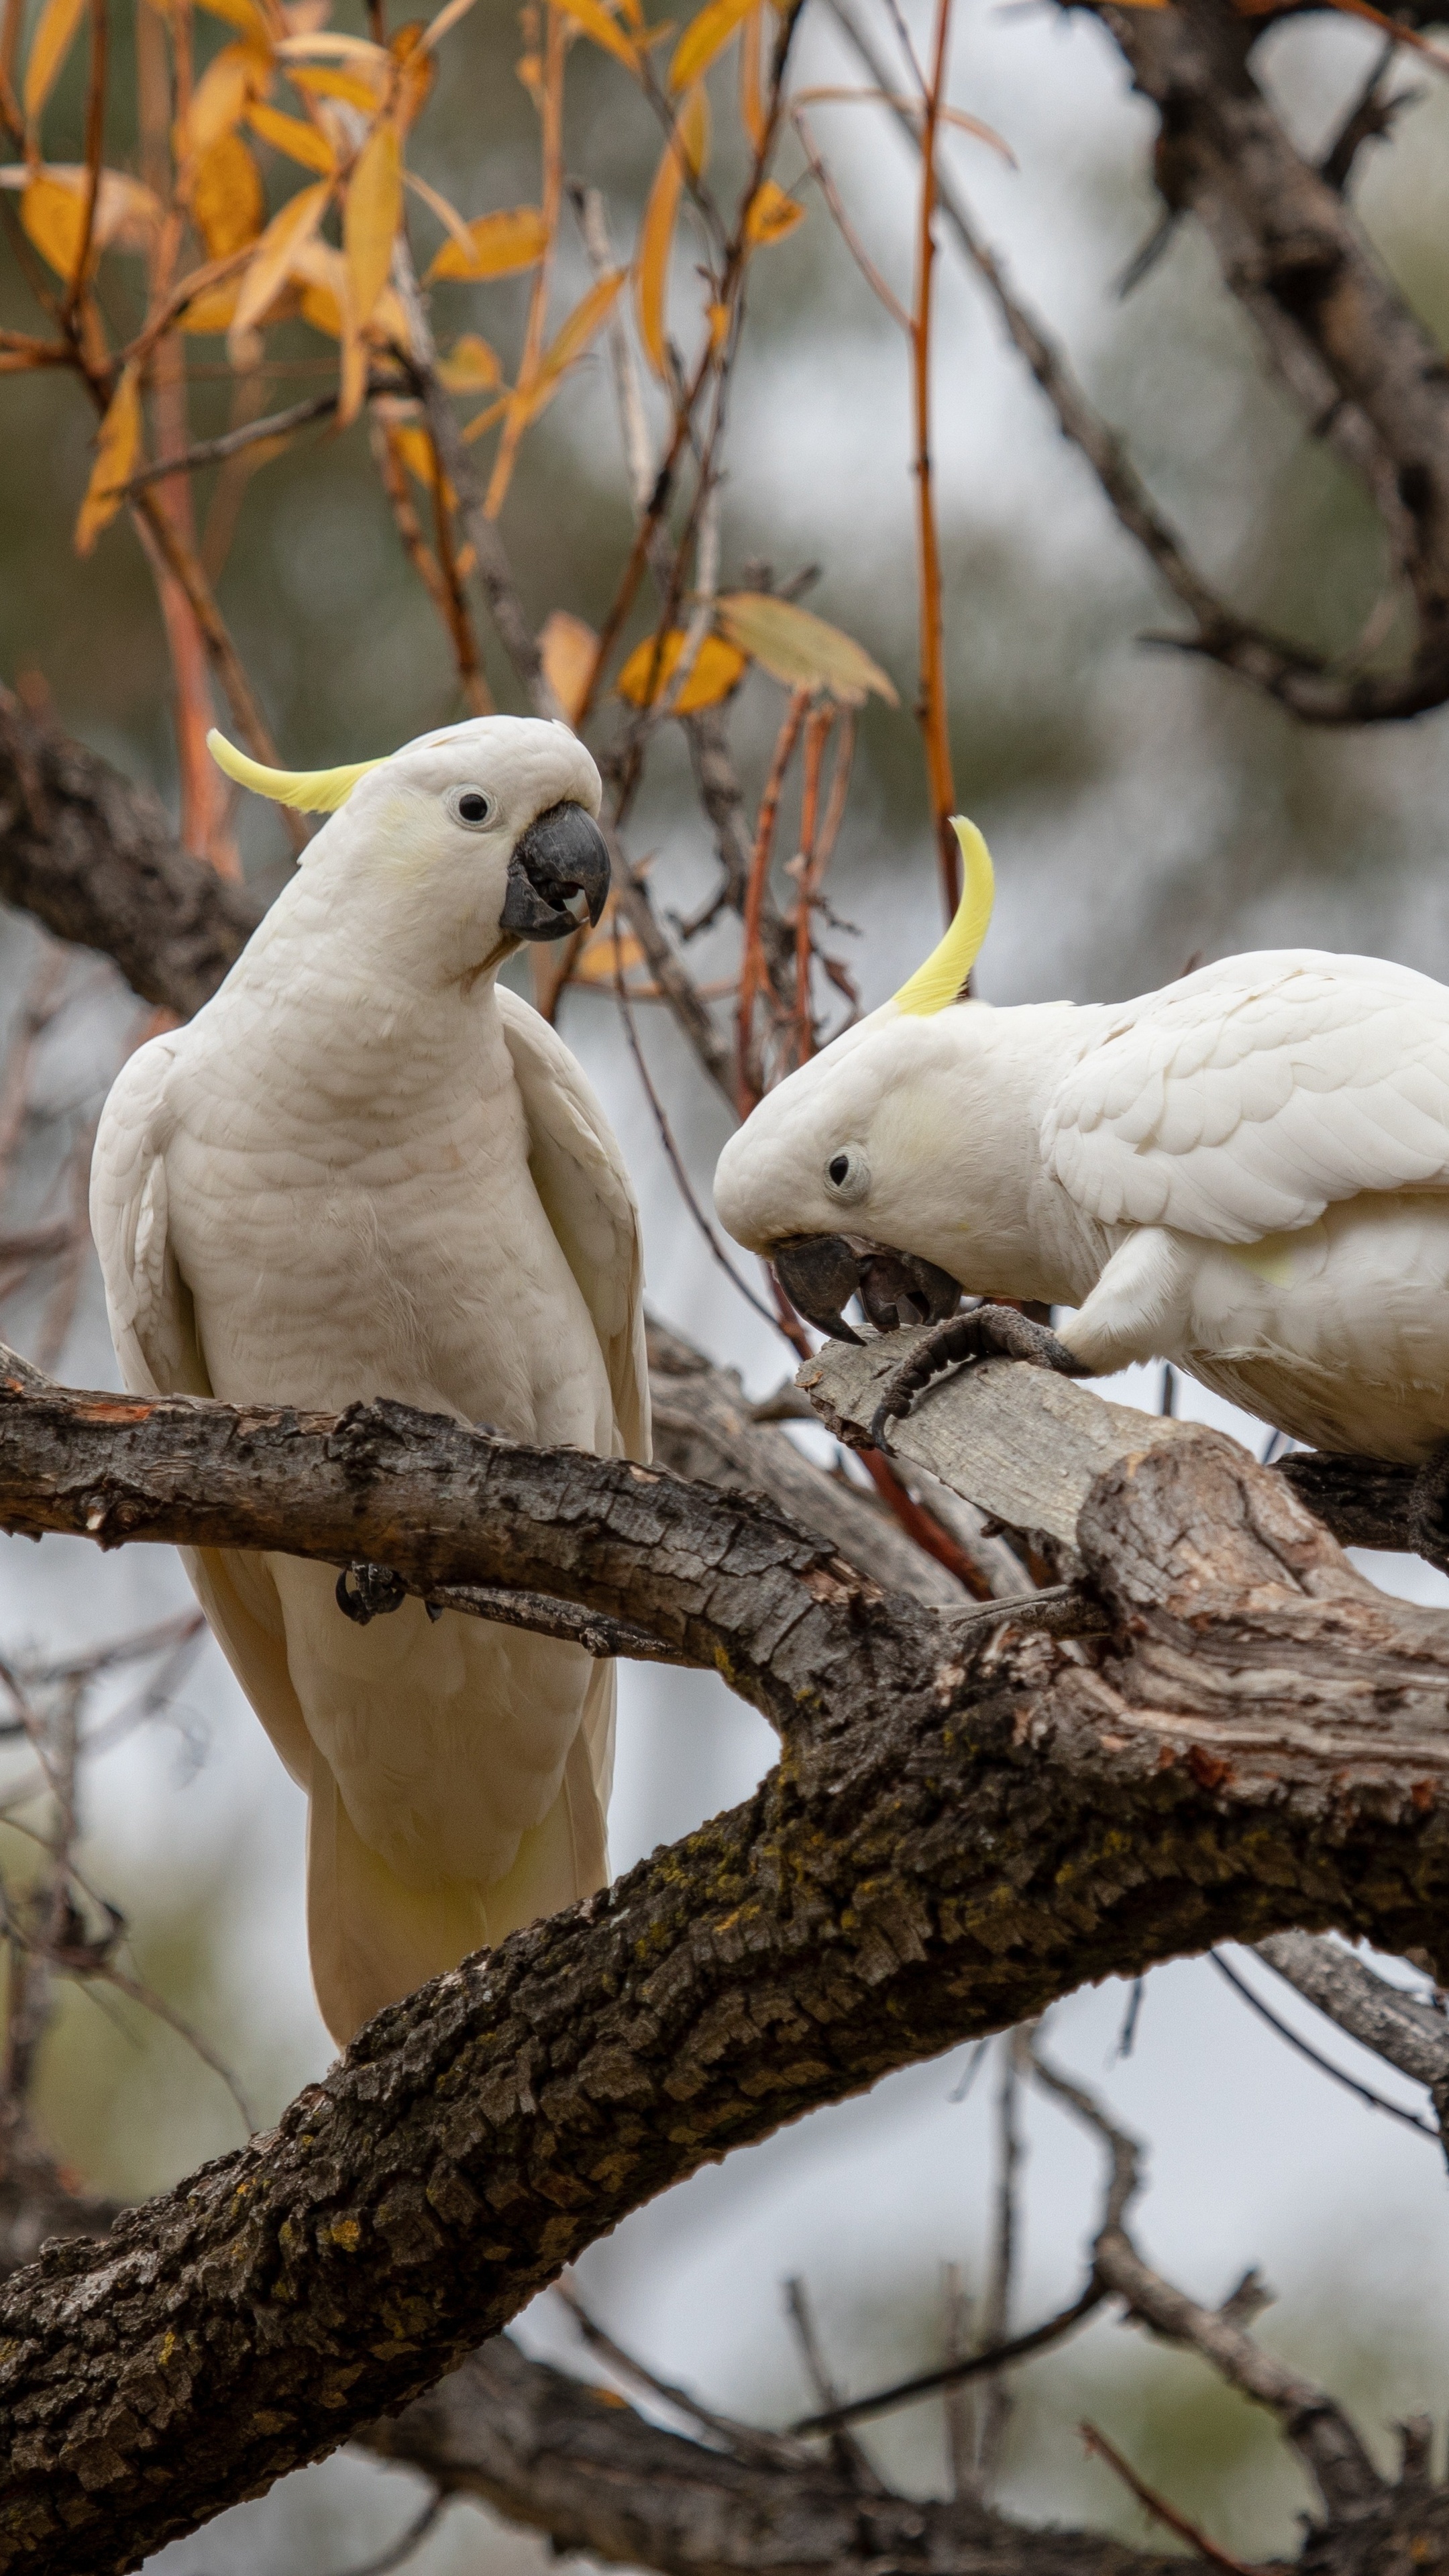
x,y
1142,807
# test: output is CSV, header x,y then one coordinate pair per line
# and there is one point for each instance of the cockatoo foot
x,y
366,1591
982,1333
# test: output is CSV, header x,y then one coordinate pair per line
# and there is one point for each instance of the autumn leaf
x,y
117,441
704,37
219,101
688,147
567,647
328,46
371,217
417,67
594,20
772,214
214,309
354,89
470,366
609,952
52,210
272,258
247,16
292,135
570,344
228,203
799,649
54,35
516,237
718,668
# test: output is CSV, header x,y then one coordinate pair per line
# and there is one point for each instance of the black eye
x,y
838,1168
470,806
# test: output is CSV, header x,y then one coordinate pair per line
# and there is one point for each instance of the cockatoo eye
x,y
847,1174
470,806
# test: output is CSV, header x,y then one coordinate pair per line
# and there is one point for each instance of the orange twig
x,y
476,692
817,734
934,723
751,965
515,419
95,154
1160,2510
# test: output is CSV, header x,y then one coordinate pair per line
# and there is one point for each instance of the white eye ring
x,y
847,1174
472,808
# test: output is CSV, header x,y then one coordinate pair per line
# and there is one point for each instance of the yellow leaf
x,y
117,441
227,199
52,210
272,259
415,448
529,68
688,144
371,217
417,67
247,16
327,46
570,344
771,215
515,238
568,647
214,309
218,103
704,37
292,135
593,18
718,668
718,318
470,366
352,88
322,274
799,649
54,35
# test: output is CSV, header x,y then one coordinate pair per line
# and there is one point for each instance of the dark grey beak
x,y
820,1273
563,854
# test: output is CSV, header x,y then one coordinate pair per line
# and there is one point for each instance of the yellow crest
x,y
311,791
945,971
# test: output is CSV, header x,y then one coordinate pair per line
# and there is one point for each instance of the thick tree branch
x,y
955,1835
98,862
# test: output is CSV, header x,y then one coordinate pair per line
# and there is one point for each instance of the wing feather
x,y
582,1180
1253,1094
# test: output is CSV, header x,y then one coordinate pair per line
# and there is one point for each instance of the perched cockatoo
x,y
366,1170
1246,1173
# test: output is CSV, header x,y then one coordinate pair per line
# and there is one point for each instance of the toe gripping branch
x,y
983,1333
366,1591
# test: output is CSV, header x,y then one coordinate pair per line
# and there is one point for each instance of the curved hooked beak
x,y
820,1273
562,855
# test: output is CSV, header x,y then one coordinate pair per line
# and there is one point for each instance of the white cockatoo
x,y
1246,1173
365,1170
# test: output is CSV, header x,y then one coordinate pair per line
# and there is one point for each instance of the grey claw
x,y
434,1610
366,1591
983,1332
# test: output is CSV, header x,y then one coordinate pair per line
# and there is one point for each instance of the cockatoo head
x,y
827,1176
459,845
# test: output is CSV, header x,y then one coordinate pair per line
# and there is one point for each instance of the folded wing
x,y
1245,1099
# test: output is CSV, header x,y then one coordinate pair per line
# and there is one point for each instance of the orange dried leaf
x,y
272,259
704,37
414,448
603,956
214,309
247,16
516,237
228,202
353,88
718,318
321,272
52,210
772,214
417,66
572,340
54,35
371,217
718,668
567,646
687,145
292,135
595,22
470,366
799,649
327,46
117,441
219,101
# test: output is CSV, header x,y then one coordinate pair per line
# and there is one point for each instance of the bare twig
x,y
1365,2092
1160,2510
845,2450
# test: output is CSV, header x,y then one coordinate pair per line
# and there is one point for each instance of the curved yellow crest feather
x,y
311,791
945,971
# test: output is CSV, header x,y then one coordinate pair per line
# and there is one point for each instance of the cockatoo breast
x,y
352,1208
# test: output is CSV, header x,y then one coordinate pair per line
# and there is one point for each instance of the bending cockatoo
x,y
364,1170
1246,1174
